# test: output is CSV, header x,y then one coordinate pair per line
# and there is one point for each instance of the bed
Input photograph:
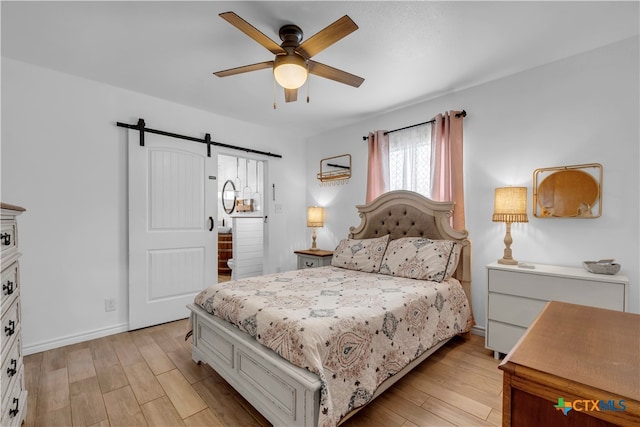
x,y
311,347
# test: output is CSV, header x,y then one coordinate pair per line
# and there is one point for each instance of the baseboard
x,y
74,339
478,330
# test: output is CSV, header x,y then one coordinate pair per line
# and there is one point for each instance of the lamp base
x,y
507,261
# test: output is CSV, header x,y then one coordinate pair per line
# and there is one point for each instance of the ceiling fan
x,y
292,62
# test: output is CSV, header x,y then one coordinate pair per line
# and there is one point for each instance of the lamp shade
x,y
290,71
315,216
510,204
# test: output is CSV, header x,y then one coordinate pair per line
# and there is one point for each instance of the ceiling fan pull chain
x,y
274,93
308,82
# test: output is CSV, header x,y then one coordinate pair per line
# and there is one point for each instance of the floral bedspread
x,y
352,329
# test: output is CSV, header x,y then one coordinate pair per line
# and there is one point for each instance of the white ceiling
x,y
406,51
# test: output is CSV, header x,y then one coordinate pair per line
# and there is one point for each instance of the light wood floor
x,y
147,377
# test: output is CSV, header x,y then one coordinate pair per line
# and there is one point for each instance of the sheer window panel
x,y
410,159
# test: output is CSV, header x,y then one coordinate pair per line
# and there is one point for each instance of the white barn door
x,y
172,233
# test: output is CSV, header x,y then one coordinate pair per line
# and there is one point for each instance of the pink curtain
x,y
446,163
378,165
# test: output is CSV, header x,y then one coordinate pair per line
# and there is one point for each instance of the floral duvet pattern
x,y
352,329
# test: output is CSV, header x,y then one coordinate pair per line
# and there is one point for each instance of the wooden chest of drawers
x,y
13,396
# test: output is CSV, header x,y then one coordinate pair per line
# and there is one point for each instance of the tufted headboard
x,y
408,214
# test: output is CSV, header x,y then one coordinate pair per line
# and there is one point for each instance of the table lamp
x,y
315,219
510,205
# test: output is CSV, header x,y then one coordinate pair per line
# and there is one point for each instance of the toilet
x,y
230,263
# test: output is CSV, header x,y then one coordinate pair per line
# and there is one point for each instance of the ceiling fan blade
x,y
331,73
290,95
244,69
326,37
252,32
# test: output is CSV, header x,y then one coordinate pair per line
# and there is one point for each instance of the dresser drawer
x,y
14,404
501,337
10,323
8,236
305,261
12,363
556,288
514,309
10,280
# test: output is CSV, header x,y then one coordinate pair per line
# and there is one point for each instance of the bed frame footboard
x,y
284,394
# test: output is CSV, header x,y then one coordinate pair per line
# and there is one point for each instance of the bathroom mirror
x,y
228,196
568,191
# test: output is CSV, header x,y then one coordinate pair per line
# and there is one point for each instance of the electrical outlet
x,y
110,304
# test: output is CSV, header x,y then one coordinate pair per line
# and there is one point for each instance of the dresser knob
x,y
6,239
8,288
11,371
11,329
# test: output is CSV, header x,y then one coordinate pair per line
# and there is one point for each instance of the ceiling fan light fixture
x,y
290,71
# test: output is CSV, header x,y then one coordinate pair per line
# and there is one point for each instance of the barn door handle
x,y
210,223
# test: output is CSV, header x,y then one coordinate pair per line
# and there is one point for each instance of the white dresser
x,y
14,396
516,296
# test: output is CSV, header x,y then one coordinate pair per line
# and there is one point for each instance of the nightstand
x,y
313,258
517,295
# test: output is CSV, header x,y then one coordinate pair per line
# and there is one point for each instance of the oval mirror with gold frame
x,y
568,191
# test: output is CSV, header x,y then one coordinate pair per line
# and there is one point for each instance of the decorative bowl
x,y
601,267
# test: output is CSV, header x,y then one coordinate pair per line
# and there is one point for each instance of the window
x,y
410,159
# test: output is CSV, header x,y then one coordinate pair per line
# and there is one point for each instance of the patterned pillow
x,y
360,254
421,258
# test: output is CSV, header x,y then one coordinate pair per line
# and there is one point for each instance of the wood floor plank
x,y
111,377
375,416
192,371
87,405
226,403
123,409
182,395
53,392
80,365
161,413
143,383
157,359
415,414
126,350
452,397
103,352
453,414
204,418
58,418
32,367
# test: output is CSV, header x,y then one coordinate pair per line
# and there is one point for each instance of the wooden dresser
x,y
575,366
13,395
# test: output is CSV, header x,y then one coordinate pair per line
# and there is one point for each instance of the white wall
x,y
64,160
584,109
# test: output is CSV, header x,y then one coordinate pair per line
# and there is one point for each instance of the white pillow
x,y
421,258
360,254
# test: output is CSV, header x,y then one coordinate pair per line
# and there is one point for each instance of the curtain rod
x,y
140,126
460,114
